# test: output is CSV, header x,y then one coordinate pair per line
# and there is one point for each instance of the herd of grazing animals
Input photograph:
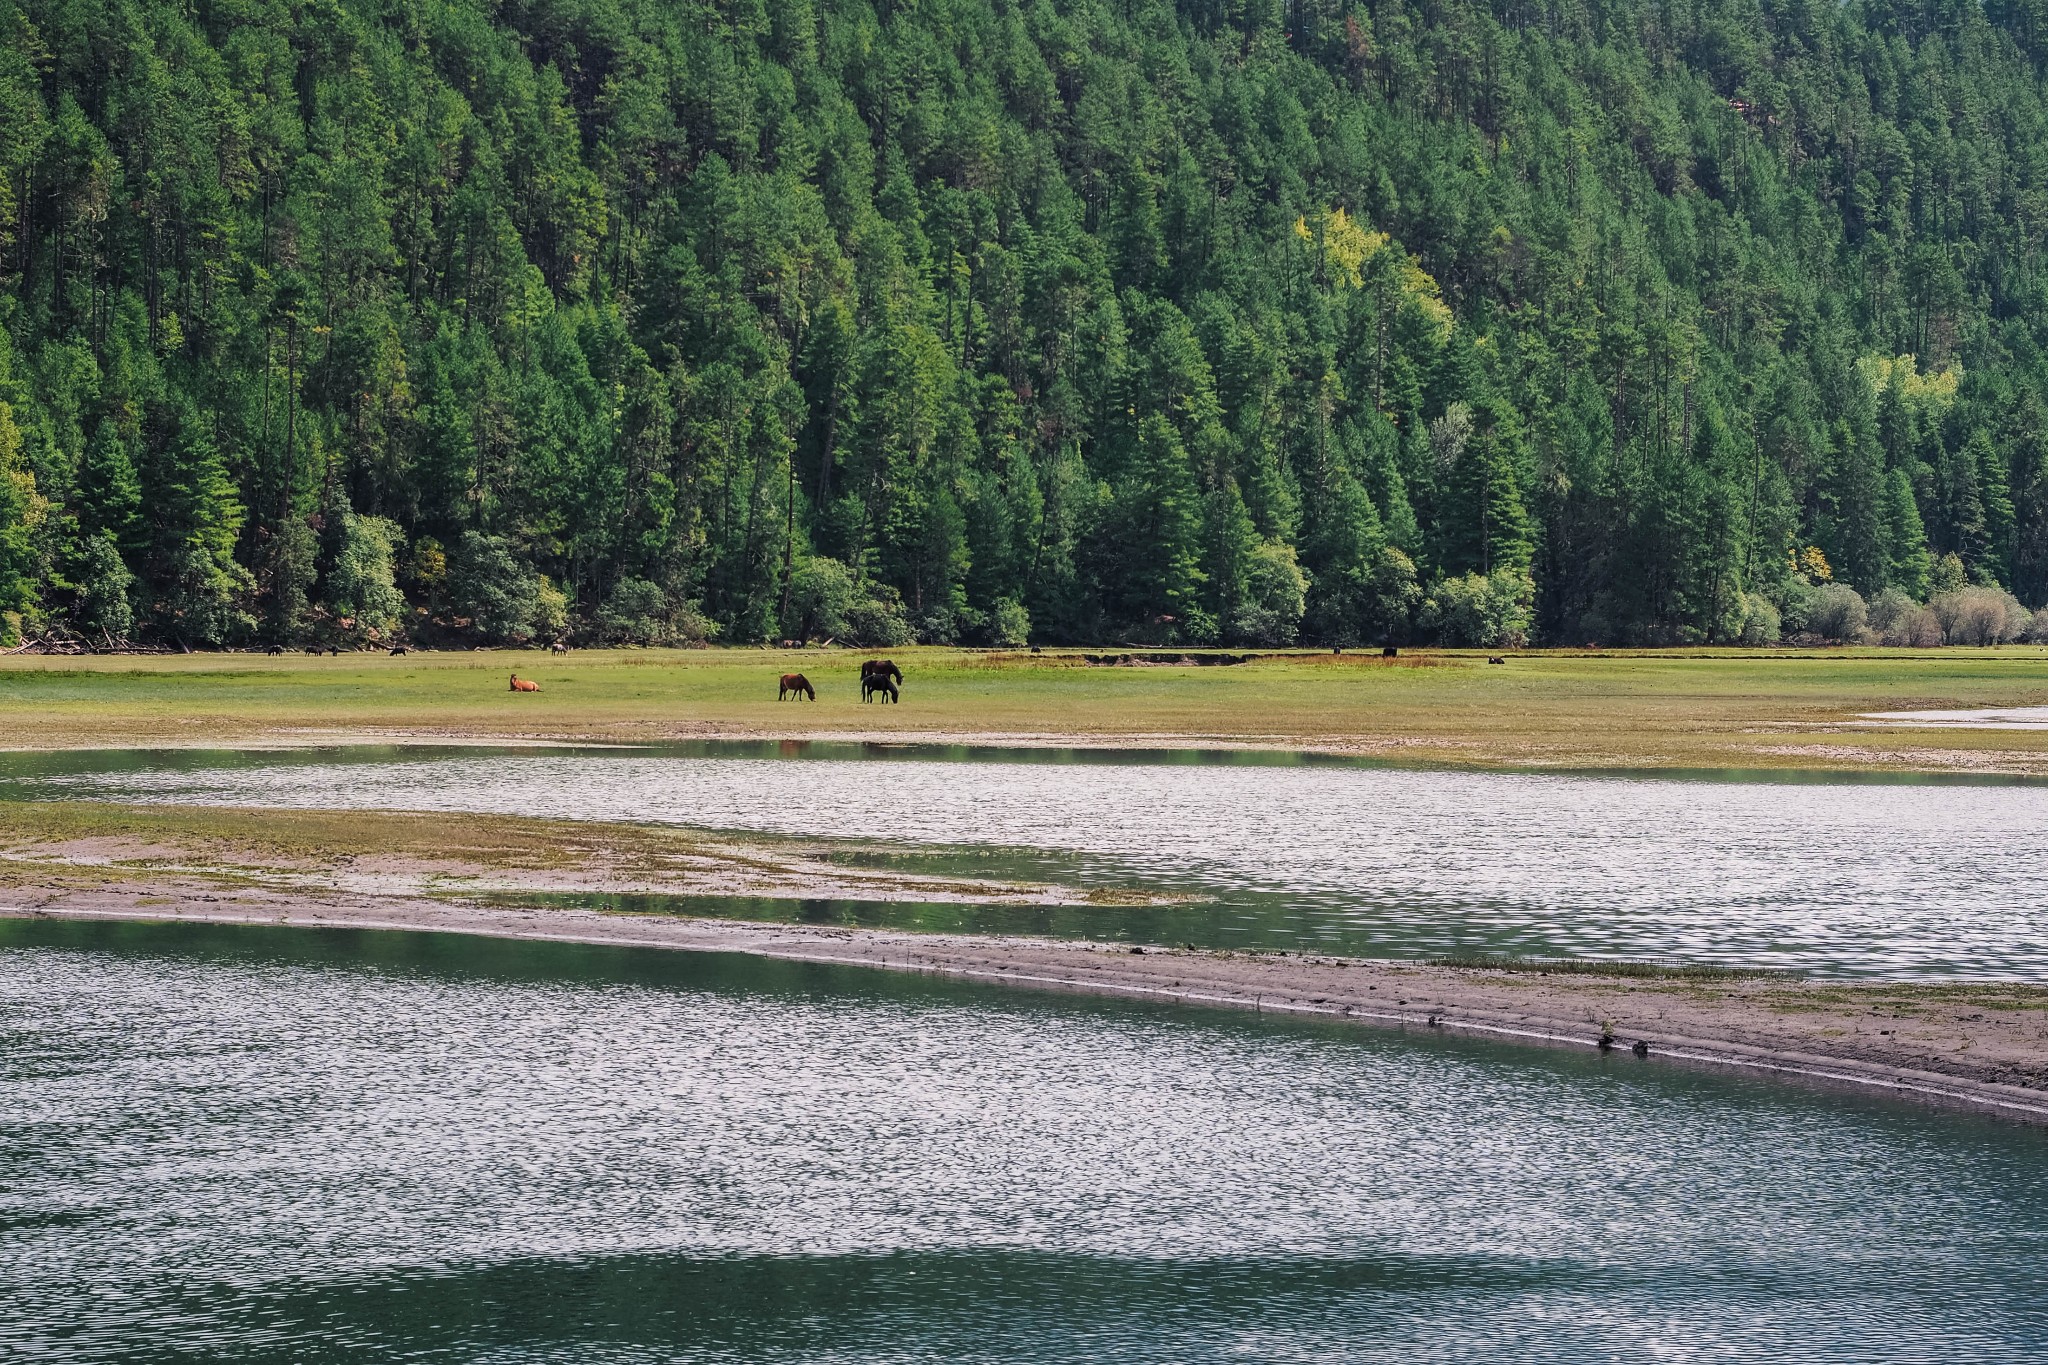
x,y
878,678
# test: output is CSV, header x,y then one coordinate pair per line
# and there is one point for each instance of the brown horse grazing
x,y
875,683
881,668
795,685
520,684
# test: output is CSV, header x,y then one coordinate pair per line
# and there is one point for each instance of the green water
x,y
272,1145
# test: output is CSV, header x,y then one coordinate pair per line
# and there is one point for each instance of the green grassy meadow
x,y
1709,709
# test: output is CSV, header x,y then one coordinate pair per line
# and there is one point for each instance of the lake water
x,y
268,1145
1986,718
1832,877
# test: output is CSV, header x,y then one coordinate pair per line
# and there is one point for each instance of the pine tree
x,y
1909,562
1994,479
109,492
1147,547
1856,534
196,586
1969,535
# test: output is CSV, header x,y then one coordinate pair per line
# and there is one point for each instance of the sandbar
x,y
1980,1046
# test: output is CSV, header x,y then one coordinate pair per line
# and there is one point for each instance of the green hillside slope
x,y
972,319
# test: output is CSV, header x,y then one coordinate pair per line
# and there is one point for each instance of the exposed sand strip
x,y
1979,1046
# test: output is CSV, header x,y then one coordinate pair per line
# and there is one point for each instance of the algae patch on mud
x,y
412,853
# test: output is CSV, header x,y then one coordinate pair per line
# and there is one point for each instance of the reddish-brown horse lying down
x,y
796,684
520,684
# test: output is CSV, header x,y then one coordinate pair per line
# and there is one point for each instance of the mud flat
x,y
1980,1046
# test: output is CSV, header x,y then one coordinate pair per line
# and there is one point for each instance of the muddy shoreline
x,y
1830,752
1977,1046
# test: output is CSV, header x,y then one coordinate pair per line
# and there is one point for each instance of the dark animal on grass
x,y
878,684
795,685
881,668
1496,659
397,650
520,684
558,648
312,649
274,650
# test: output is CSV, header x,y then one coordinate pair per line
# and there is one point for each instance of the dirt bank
x,y
1981,1046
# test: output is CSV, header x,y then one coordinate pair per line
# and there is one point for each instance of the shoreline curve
x,y
1533,1008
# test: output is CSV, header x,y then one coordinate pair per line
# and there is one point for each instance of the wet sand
x,y
1979,1046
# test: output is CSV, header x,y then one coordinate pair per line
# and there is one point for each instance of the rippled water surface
x,y
1833,877
272,1145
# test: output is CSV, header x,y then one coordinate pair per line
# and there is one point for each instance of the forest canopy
x,y
979,321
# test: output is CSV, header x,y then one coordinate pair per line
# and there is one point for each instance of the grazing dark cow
x,y
312,649
795,685
397,650
878,684
274,650
520,684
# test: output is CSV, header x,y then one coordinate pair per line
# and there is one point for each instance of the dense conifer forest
x,y
1652,321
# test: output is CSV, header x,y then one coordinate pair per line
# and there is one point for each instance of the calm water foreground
x,y
270,1145
1840,877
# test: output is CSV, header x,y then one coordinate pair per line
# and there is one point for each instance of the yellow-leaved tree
x,y
1351,256
21,508
1932,392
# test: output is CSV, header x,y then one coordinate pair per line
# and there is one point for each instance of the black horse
x,y
872,684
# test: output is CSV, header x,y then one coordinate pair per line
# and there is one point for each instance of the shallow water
x,y
1992,718
1847,878
284,1145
